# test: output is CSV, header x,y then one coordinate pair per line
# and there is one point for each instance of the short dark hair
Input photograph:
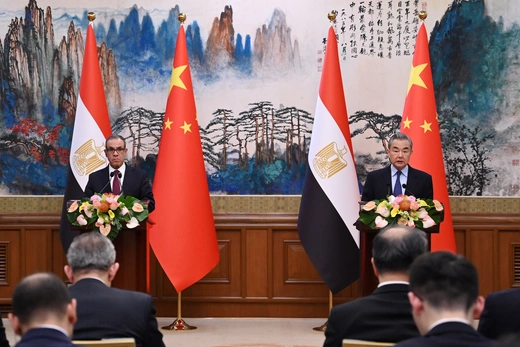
x,y
396,254
399,136
91,251
114,137
444,280
39,295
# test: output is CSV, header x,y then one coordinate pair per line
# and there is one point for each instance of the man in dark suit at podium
x,y
444,298
399,177
118,177
105,312
501,315
385,315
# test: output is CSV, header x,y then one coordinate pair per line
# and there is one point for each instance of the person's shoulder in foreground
x,y
91,269
444,299
501,315
385,315
43,312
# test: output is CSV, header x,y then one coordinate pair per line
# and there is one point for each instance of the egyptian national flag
x,y
421,124
91,128
329,205
183,237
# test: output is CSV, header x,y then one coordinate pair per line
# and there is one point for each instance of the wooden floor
x,y
236,332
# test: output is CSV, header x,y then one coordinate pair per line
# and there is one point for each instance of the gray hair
x,y
114,137
399,136
91,251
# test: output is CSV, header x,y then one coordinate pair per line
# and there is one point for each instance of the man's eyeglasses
x,y
114,150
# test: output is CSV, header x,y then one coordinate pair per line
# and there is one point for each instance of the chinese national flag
x,y
420,122
183,237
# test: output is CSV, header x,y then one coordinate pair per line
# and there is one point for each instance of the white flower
x,y
132,223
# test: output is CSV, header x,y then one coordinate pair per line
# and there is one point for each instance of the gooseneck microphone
x,y
109,180
409,192
119,175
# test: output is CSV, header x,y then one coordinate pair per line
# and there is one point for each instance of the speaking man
x,y
399,177
118,177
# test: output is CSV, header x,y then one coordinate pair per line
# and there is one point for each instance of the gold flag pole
x,y
324,325
179,323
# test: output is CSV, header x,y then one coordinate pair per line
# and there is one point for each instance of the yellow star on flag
x,y
186,127
415,77
167,124
407,123
176,77
426,126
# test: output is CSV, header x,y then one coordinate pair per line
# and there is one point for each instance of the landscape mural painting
x,y
256,70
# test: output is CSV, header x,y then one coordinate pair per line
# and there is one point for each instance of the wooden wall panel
x,y
256,263
263,271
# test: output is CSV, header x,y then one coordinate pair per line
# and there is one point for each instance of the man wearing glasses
x,y
118,177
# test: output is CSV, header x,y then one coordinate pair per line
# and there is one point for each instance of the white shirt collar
x,y
404,171
392,282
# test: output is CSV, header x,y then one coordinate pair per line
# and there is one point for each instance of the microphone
x,y
109,180
409,192
388,189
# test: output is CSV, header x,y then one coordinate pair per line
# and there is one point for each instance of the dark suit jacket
x,y
44,337
3,338
136,183
378,184
501,314
383,316
105,312
449,334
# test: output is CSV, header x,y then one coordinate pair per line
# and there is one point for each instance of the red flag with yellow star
x,y
420,122
183,237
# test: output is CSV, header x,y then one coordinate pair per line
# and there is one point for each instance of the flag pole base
x,y
179,324
321,327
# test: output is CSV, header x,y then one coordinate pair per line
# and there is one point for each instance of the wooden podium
x,y
369,280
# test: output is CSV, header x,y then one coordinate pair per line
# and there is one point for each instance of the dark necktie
x,y
116,185
397,188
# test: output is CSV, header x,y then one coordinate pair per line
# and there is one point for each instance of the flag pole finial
x,y
423,15
332,15
91,16
181,17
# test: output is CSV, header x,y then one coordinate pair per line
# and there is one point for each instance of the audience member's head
x,y
91,255
42,299
443,285
394,249
509,340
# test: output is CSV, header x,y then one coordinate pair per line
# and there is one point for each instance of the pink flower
x,y
95,197
105,230
124,211
88,212
137,207
81,220
114,205
73,207
411,224
369,206
422,213
411,198
428,222
381,222
438,205
100,222
383,211
96,203
132,223
414,205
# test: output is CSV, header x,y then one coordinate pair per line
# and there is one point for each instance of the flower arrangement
x,y
107,213
404,210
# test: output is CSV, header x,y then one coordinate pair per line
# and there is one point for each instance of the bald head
x,y
396,247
